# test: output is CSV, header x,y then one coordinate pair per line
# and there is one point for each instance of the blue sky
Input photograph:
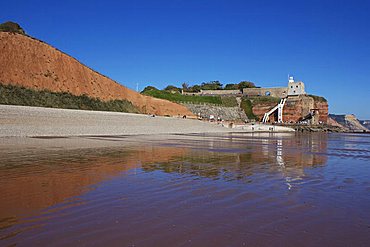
x,y
326,44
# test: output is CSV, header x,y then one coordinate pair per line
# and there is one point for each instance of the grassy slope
x,y
179,98
15,95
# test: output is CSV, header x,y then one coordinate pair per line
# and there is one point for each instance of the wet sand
x,y
186,190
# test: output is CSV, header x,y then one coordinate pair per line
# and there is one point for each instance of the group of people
x,y
212,118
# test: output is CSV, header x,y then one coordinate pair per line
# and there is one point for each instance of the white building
x,y
295,88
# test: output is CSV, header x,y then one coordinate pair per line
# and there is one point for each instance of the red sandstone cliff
x,y
295,109
33,64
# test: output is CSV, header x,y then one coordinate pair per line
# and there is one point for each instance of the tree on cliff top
x,y
172,88
11,27
240,85
149,88
213,85
246,84
231,86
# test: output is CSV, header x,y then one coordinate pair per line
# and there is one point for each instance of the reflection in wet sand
x,y
223,190
236,160
33,182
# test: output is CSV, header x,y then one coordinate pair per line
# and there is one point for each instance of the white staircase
x,y
279,107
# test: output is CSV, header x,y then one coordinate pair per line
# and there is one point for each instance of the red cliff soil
x,y
323,108
30,63
295,109
261,108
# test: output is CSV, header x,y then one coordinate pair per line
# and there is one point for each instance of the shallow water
x,y
181,190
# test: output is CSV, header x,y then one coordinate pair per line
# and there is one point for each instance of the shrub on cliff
x,y
247,106
148,88
246,84
171,88
231,86
11,27
212,85
15,95
194,89
317,98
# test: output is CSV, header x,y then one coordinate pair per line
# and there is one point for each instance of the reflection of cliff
x,y
40,180
239,159
34,180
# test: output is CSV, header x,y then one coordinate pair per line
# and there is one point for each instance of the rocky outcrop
x,y
260,109
225,113
30,63
365,123
296,108
349,122
334,123
323,110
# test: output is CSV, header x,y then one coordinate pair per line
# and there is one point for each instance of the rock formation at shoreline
x,y
295,108
365,123
31,63
349,122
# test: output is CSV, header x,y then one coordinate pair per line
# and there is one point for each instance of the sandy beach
x,y
26,121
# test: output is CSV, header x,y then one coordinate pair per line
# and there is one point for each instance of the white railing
x,y
279,107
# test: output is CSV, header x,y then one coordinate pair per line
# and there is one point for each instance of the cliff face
x,y
323,108
225,113
33,64
334,123
261,108
295,109
349,122
365,123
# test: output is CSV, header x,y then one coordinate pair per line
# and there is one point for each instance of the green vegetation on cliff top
x,y
11,27
317,98
177,97
216,85
15,95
